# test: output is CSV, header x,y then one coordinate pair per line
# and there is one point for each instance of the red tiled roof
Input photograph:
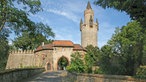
x,y
78,47
62,43
45,47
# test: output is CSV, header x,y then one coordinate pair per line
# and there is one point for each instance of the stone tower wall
x,y
89,30
89,35
21,59
87,14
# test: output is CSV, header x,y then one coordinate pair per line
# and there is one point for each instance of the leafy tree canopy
x,y
84,64
124,52
11,16
33,38
14,16
4,48
77,64
91,57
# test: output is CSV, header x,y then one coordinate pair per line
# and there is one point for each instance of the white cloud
x,y
39,18
65,14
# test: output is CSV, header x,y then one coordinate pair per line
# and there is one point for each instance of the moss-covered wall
x,y
16,75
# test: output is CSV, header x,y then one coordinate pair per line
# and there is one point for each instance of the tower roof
x,y
88,5
81,22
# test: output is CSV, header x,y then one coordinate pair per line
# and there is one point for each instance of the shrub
x,y
141,72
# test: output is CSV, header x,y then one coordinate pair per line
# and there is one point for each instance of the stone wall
x,y
17,74
43,57
21,59
59,52
73,77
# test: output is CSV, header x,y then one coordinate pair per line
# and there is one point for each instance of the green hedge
x,y
141,72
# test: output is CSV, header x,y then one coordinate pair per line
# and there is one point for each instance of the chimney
x,y
42,43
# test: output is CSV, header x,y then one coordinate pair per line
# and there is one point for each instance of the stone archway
x,y
62,63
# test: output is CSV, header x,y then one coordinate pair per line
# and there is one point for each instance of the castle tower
x,y
88,28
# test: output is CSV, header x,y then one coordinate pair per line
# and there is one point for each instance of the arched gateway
x,y
62,63
58,54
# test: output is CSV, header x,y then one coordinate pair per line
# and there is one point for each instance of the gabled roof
x,y
45,47
60,43
78,47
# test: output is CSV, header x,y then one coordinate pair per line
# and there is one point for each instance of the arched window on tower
x,y
91,21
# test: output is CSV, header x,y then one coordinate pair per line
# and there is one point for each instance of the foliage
x,y
4,48
81,65
63,62
17,17
31,39
14,17
91,57
144,49
77,64
141,72
109,62
104,59
98,71
135,8
124,52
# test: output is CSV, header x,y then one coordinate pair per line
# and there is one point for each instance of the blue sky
x,y
63,16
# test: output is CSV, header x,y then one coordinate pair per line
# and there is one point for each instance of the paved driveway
x,y
57,76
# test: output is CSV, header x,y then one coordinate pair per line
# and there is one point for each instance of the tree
x,y
14,17
33,38
81,65
17,18
77,64
126,50
135,8
105,58
4,48
91,57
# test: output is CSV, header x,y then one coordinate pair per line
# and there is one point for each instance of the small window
x,y
91,21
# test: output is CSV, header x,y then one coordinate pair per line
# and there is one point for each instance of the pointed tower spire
x,y
88,6
96,20
81,22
